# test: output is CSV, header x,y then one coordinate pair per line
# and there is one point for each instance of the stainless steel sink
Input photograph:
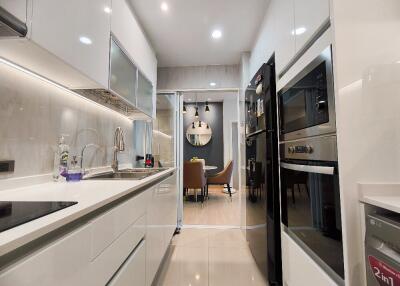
x,y
128,174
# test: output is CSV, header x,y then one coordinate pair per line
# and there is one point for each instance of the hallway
x,y
209,257
217,210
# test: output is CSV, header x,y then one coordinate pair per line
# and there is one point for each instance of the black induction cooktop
x,y
16,213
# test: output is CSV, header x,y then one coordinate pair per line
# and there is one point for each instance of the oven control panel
x,y
321,148
300,149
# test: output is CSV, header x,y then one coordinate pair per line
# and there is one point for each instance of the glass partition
x,y
164,130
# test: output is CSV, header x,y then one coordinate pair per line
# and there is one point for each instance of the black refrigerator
x,y
262,173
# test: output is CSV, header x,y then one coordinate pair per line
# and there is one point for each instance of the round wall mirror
x,y
199,133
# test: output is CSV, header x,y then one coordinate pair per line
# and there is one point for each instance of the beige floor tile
x,y
185,266
233,266
210,256
191,237
226,238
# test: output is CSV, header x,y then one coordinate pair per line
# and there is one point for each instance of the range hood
x,y
10,26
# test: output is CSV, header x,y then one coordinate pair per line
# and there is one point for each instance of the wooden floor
x,y
219,209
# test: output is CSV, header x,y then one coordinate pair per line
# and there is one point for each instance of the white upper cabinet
x,y
285,47
15,7
310,15
78,32
123,74
126,29
145,93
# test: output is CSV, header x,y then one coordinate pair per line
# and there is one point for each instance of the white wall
x,y
181,78
35,113
367,78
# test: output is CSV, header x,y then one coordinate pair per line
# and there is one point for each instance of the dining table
x,y
209,168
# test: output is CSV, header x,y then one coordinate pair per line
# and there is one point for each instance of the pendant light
x,y
197,109
184,109
207,107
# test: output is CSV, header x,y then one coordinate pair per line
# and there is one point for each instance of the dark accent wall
x,y
213,152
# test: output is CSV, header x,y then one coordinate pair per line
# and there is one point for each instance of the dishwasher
x,y
382,249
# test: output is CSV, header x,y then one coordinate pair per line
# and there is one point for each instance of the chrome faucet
x,y
119,146
83,152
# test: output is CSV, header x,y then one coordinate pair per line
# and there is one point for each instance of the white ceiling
x,y
182,35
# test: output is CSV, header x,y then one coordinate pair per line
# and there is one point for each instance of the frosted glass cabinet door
x,y
122,74
145,95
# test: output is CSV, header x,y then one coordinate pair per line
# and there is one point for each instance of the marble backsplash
x,y
34,113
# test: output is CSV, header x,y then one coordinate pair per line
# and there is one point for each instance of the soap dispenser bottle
x,y
61,159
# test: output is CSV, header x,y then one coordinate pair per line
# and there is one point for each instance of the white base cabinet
x,y
132,271
122,246
162,219
64,262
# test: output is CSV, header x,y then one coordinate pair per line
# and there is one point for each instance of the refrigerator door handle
x,y
309,168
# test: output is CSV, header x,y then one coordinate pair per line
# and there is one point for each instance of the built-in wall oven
x,y
310,200
309,177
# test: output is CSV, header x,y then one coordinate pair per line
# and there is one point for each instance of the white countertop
x,y
385,196
90,195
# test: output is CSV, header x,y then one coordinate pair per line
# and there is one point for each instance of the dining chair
x,y
222,178
194,178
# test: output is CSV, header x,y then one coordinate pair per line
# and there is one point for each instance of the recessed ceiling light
x,y
107,10
85,40
164,6
299,31
189,99
213,84
216,34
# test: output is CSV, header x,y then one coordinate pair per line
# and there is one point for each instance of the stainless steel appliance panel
x,y
382,249
310,201
322,148
307,102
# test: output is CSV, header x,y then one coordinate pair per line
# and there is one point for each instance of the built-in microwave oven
x,y
306,103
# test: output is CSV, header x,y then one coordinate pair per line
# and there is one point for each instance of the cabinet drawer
x,y
104,266
63,262
109,226
133,270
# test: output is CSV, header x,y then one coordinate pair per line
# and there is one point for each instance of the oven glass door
x,y
311,210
